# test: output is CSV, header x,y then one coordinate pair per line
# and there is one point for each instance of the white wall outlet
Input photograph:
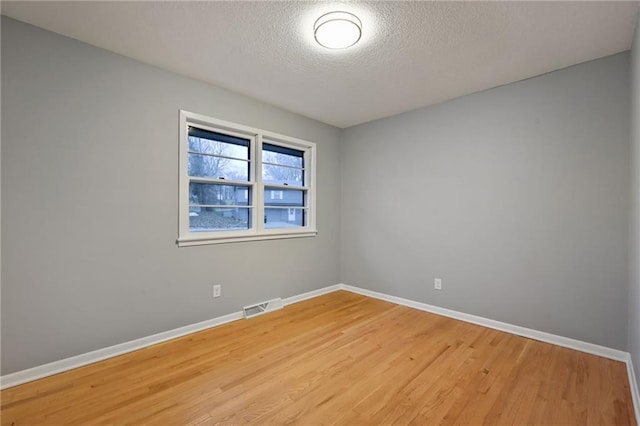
x,y
217,290
437,284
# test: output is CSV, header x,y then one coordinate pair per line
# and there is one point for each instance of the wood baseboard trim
x,y
566,342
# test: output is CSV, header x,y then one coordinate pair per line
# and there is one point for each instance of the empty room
x,y
310,212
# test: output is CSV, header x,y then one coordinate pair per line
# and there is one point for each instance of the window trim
x,y
257,207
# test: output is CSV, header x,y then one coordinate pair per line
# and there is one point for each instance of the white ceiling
x,y
411,54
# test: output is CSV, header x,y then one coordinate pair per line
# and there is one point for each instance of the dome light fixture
x,y
337,30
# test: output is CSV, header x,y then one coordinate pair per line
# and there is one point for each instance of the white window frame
x,y
186,237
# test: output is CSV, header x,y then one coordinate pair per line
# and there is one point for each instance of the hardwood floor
x,y
336,359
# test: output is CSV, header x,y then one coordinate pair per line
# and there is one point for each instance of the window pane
x,y
280,175
217,167
283,197
286,165
201,194
280,155
206,146
284,218
218,218
207,142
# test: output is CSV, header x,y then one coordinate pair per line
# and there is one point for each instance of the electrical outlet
x,y
217,289
437,284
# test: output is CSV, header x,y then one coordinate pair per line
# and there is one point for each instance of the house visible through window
x,y
231,175
283,167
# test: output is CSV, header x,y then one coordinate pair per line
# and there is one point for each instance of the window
x,y
238,183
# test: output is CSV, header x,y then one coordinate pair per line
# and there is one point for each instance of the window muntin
x,y
231,175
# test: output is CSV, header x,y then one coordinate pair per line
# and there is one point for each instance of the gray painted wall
x,y
89,203
634,239
517,197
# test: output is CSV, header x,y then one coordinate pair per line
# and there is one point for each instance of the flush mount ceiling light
x,y
337,30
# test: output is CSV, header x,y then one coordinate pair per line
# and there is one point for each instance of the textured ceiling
x,y
412,54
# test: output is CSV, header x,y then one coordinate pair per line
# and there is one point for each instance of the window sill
x,y
195,241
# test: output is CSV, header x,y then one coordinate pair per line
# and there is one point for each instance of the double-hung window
x,y
238,183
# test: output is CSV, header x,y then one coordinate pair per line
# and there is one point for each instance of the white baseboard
x,y
45,370
60,366
311,294
633,384
502,326
554,339
28,375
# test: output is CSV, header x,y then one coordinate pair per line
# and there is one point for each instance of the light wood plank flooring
x,y
336,359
